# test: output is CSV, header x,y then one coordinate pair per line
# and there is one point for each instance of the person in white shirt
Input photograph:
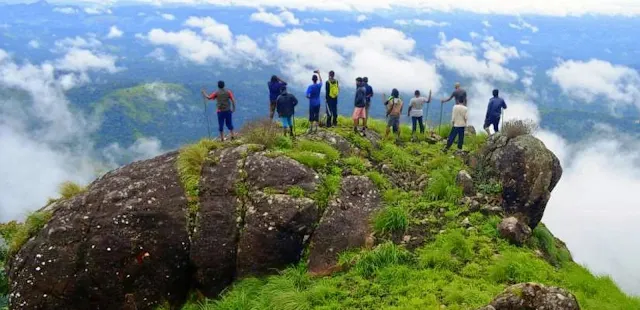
x,y
459,121
415,111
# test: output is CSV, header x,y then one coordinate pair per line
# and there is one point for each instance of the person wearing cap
x,y
494,111
360,105
313,93
332,89
458,94
369,94
285,105
226,105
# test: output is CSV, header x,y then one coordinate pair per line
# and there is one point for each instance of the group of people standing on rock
x,y
284,103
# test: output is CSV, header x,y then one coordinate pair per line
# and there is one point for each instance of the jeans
x,y
456,131
224,117
418,120
332,120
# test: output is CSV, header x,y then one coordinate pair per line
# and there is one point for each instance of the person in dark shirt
x,y
369,94
226,106
460,95
332,89
285,105
275,84
494,112
360,104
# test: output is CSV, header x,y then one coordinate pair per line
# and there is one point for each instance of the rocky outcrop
x,y
464,180
513,230
528,172
533,296
346,224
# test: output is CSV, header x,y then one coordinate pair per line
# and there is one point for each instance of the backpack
x,y
334,89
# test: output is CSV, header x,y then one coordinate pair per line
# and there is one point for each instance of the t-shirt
x,y
274,89
361,97
416,105
395,107
223,97
494,110
459,116
460,93
313,92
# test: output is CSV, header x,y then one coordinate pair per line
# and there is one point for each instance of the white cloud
x,y
522,25
34,44
114,32
597,78
142,148
77,42
67,10
351,56
525,42
97,11
474,35
168,16
276,20
421,22
594,206
328,20
486,23
81,61
214,42
361,18
162,92
158,54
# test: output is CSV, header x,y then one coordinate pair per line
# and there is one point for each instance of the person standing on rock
x,y
459,120
360,106
494,112
369,94
415,112
285,105
313,93
226,105
332,89
394,111
458,94
275,84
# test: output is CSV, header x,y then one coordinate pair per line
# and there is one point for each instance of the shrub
x,y
309,159
296,192
319,147
519,127
32,225
391,220
262,131
356,164
69,189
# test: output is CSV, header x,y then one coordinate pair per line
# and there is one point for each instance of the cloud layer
x,y
277,20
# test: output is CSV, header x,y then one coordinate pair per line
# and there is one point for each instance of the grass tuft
x,y
263,131
379,180
296,192
30,228
391,220
70,189
519,127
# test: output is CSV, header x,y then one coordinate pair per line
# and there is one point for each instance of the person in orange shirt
x,y
226,106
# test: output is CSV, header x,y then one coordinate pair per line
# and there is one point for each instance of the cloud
x,y
525,42
80,60
168,16
34,44
351,56
66,10
421,22
114,32
361,18
593,79
77,42
328,20
276,20
594,206
474,35
523,25
158,54
214,42
486,23
142,148
97,11
161,92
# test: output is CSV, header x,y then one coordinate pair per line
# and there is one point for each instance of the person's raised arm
x,y
281,81
429,99
319,76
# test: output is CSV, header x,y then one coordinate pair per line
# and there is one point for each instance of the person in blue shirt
x,y
494,111
274,85
313,93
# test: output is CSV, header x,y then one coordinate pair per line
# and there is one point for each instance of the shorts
x,y
272,106
314,113
224,117
286,121
359,113
394,121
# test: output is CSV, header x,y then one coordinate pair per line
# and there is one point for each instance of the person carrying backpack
x,y
459,120
369,93
285,105
332,89
494,111
313,93
275,84
394,111
226,106
416,113
360,105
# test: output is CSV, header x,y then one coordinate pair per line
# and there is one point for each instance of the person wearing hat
x,y
460,95
369,94
360,105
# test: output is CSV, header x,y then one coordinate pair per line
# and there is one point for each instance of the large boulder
x,y
464,180
528,172
515,231
533,296
345,225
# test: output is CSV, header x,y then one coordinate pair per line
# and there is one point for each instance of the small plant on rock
x,y
519,127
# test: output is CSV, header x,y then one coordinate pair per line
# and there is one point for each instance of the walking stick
x,y
426,121
293,123
440,123
502,118
204,103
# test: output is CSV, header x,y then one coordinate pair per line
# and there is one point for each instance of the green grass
x,y
329,187
330,152
379,180
31,227
312,160
356,165
545,241
442,186
296,192
70,189
391,220
264,132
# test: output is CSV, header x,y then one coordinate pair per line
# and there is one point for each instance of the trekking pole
x,y
502,118
426,121
440,123
293,123
204,103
